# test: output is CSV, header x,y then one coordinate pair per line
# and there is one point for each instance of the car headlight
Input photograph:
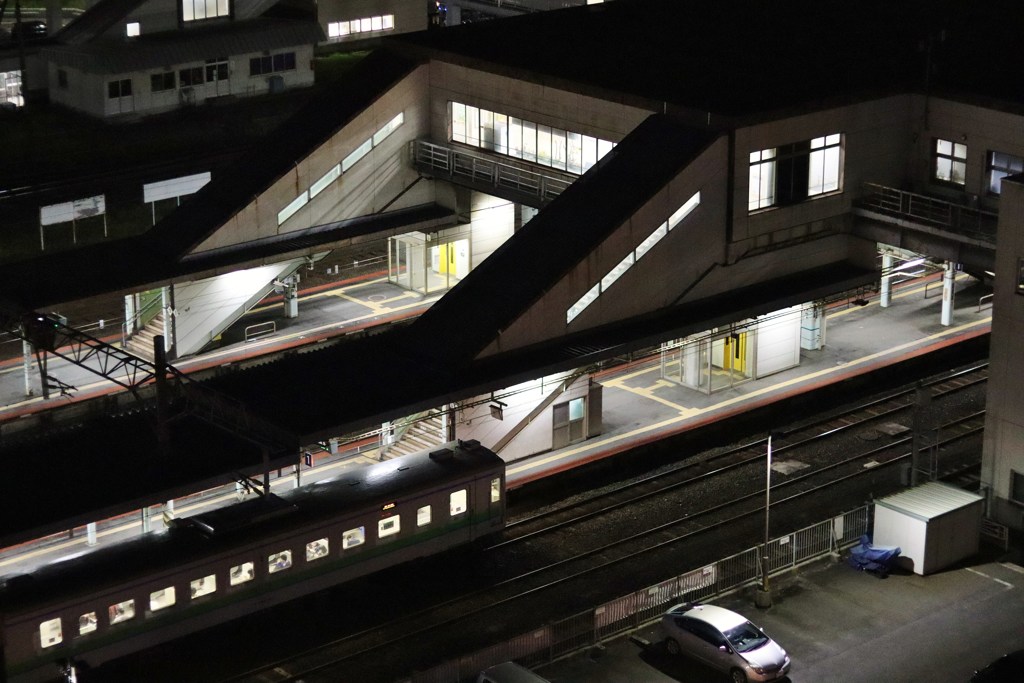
x,y
758,669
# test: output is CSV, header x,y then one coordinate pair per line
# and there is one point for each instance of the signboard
x,y
175,187
71,211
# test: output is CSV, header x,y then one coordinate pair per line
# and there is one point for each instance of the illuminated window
x,y
241,573
389,526
132,29
457,502
423,516
197,10
50,633
1017,487
823,174
290,210
683,211
616,272
121,611
316,549
1020,276
341,29
950,162
582,303
86,623
1001,165
495,489
160,599
353,537
203,586
279,561
761,192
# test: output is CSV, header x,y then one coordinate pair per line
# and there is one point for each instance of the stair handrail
x,y
401,426
135,321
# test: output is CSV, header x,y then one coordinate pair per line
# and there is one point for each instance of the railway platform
x,y
639,407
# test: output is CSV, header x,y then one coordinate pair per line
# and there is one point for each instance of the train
x,y
219,565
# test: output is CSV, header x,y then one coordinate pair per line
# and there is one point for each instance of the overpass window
x,y
1001,165
824,171
197,10
132,29
1020,275
762,179
290,210
527,140
625,264
338,30
950,162
792,173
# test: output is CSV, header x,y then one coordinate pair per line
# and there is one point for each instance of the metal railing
x,y
629,612
949,216
457,164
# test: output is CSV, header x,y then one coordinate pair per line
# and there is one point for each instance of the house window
x,y
1001,165
161,82
190,77
197,10
132,29
62,78
216,69
269,64
950,162
121,88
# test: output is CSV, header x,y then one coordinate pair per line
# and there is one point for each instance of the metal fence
x,y
629,612
455,163
963,220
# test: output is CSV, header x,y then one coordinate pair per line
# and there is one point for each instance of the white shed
x,y
934,525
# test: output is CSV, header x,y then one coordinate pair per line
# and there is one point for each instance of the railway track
x,y
661,520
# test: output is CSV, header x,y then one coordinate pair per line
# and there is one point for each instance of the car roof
x,y
719,617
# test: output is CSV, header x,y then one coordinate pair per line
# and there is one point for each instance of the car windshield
x,y
746,637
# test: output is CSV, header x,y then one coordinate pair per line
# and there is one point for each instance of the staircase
x,y
141,343
425,433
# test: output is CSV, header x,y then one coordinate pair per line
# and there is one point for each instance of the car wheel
x,y
738,676
671,646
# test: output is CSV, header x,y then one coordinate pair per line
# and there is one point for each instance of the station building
x,y
701,180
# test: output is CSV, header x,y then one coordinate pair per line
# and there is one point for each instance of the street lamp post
x,y
764,593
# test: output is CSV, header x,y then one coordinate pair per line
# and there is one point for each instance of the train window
x,y
161,599
423,516
203,586
241,573
353,537
86,623
316,549
121,611
50,632
279,561
389,526
457,502
495,489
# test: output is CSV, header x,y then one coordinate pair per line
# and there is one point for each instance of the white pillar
x,y
146,524
812,326
26,351
886,269
948,280
90,533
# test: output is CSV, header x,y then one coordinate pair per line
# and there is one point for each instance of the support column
x,y
886,269
812,326
26,351
948,289
90,533
146,520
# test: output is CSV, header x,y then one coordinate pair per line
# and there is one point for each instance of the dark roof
x,y
746,57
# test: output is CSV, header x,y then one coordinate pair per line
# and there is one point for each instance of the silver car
x,y
724,640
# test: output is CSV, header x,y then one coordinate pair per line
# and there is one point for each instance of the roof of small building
x,y
931,500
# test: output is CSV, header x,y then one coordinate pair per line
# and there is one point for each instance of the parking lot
x,y
840,624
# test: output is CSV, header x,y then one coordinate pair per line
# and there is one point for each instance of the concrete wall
x,y
366,188
1003,451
